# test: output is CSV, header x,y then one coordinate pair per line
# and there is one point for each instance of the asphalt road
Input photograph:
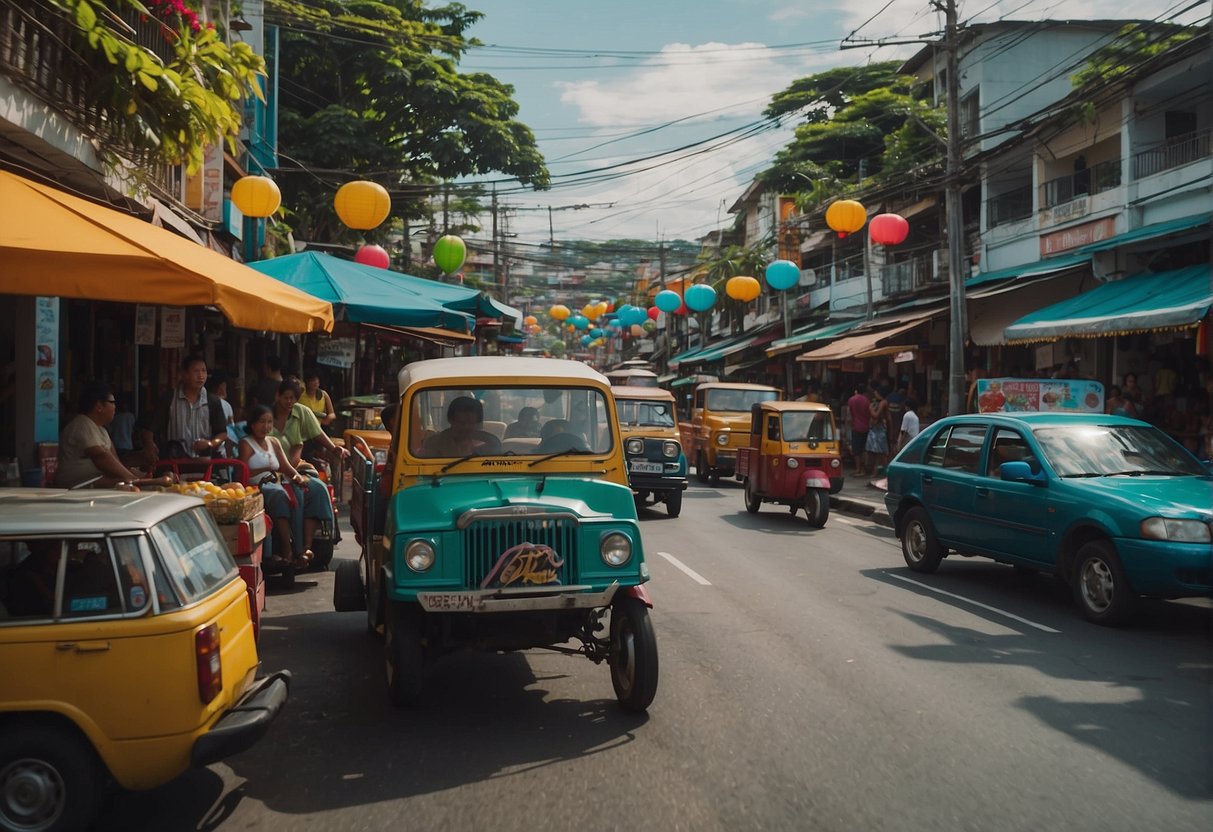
x,y
808,681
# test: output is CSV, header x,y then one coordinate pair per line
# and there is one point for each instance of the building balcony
x,y
1173,153
910,276
1009,206
1095,180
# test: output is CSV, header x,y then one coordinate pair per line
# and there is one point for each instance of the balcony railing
x,y
912,275
1009,206
1172,153
1095,180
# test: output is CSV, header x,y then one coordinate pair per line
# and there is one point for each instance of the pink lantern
x,y
654,312
637,330
888,229
373,256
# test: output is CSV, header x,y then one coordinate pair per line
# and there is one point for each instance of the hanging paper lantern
x,y
654,313
571,328
530,320
603,308
846,216
596,332
373,256
650,326
667,300
700,297
364,205
682,309
556,349
256,196
585,340
580,321
559,312
613,323
782,275
624,313
743,288
888,229
449,253
590,311
637,330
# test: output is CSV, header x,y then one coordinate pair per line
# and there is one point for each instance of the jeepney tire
x,y
42,757
322,555
817,506
919,545
349,594
752,501
673,502
1101,588
701,467
404,661
714,477
633,658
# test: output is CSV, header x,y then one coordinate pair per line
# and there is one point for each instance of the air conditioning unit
x,y
808,277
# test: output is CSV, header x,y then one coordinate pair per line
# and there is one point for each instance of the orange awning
x,y
56,244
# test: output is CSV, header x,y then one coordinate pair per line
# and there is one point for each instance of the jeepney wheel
x,y
701,467
673,502
404,662
752,501
817,506
633,657
349,594
322,555
50,780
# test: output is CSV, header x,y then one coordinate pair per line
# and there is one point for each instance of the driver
x,y
465,432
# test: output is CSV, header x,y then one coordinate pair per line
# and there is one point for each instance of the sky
x,y
662,92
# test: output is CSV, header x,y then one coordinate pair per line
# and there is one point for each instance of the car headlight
x,y
634,446
722,439
1179,531
671,449
616,549
835,463
793,462
419,555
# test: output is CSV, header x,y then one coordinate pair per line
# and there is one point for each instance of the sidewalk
x,y
861,499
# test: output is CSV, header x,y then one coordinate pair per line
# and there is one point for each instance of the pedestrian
x,y
878,432
897,407
86,451
189,422
1117,405
318,400
859,409
216,385
266,389
910,426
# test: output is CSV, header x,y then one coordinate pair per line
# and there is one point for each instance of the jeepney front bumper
x,y
517,599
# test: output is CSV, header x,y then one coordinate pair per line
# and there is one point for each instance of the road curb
x,y
862,508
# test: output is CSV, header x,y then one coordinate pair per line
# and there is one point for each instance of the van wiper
x,y
578,451
455,462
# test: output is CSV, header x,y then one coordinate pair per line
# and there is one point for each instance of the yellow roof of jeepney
x,y
643,393
794,406
508,369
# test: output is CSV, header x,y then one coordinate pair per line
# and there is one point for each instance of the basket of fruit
x,y
227,504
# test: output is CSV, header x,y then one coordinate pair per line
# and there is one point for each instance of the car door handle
x,y
983,492
83,646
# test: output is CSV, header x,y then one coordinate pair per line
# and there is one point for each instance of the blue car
x,y
1111,505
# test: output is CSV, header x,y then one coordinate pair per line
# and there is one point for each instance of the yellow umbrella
x,y
56,244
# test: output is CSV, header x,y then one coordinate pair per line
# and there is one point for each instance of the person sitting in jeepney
x,y
527,426
465,432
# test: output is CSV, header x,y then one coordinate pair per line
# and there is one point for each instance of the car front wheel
x,y
50,780
701,467
633,657
919,546
673,502
1100,587
404,662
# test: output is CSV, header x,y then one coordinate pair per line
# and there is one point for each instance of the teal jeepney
x,y
506,522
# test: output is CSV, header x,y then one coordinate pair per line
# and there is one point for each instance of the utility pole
x,y
496,270
952,206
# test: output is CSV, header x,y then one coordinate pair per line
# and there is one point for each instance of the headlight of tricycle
x,y
1179,531
671,449
835,463
793,462
634,446
419,555
616,549
722,439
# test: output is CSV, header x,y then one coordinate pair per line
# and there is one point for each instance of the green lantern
x,y
449,253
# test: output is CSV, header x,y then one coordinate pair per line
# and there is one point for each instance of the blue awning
x,y
1149,232
1036,269
1142,303
711,352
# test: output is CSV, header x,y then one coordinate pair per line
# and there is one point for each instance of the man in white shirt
x,y
86,451
909,423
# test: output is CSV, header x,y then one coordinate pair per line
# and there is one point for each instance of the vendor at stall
x,y
86,451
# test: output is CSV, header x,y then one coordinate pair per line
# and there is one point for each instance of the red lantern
x,y
654,312
373,256
888,229
683,310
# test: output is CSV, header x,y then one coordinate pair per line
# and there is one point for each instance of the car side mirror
x,y
1020,472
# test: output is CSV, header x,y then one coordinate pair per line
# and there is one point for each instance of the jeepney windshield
x,y
738,401
516,421
645,413
807,426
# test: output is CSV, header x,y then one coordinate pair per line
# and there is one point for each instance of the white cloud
x,y
789,13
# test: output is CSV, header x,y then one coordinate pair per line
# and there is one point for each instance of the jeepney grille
x,y
484,541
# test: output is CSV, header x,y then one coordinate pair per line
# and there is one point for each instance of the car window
x,y
964,447
938,445
29,569
808,426
90,582
191,549
1010,446
645,413
132,574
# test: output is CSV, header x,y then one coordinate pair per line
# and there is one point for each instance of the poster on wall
x,y
46,371
336,352
145,325
172,327
1016,395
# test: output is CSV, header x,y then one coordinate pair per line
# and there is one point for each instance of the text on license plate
x,y
642,467
449,601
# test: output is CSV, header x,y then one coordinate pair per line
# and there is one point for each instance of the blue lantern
x,y
596,332
579,321
700,297
585,340
782,275
668,300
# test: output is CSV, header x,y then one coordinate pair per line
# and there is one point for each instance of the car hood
x,y
1178,497
732,421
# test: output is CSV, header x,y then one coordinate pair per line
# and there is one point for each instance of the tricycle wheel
x,y
752,501
322,555
403,659
50,779
349,594
701,467
633,657
673,502
817,506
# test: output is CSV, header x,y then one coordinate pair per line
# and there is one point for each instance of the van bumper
x,y
241,727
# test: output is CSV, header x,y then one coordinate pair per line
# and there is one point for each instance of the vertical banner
x,y
145,325
46,371
172,327
789,234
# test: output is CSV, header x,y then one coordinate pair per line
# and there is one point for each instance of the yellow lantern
x,y
846,216
603,308
559,312
590,310
256,196
362,205
530,320
743,288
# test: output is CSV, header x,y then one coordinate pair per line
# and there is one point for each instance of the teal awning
x,y
1142,303
819,333
711,352
1040,267
1149,232
721,350
683,382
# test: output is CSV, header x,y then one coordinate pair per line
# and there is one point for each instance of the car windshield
x,y
807,425
738,401
645,413
1112,450
192,550
445,423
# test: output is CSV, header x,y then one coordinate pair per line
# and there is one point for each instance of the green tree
x,y
1133,46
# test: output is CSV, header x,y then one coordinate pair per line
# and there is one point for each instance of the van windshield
x,y
645,413
807,426
738,401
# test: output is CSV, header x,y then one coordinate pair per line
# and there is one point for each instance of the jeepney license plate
x,y
453,601
642,467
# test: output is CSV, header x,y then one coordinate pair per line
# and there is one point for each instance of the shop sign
x,y
1079,235
46,370
1065,212
903,356
851,365
145,325
336,352
1018,395
172,327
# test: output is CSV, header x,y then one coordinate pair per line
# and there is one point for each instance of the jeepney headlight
x,y
793,462
722,439
616,549
1179,531
671,449
634,446
835,463
419,555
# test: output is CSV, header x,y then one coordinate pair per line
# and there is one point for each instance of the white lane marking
x,y
938,591
695,576
846,520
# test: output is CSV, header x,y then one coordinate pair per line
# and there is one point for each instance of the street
x,y
808,681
